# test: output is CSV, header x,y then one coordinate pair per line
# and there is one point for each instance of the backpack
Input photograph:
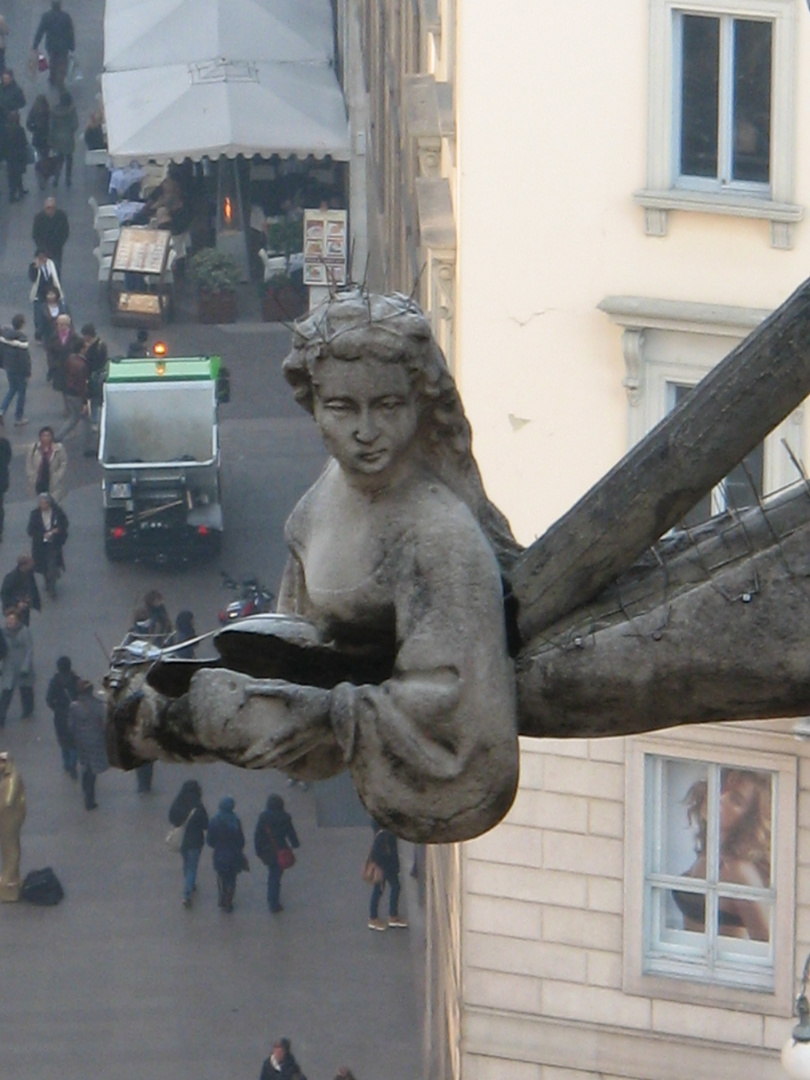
x,y
76,376
42,887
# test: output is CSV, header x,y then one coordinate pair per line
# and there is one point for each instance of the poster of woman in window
x,y
717,839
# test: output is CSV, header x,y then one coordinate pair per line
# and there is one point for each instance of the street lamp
x,y
796,1051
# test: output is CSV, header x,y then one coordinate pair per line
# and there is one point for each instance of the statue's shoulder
x,y
439,518
298,526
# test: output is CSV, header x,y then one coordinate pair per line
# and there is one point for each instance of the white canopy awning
x,y
214,108
155,33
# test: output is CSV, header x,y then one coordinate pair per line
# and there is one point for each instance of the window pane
x,y
738,490
684,819
700,72
745,827
752,101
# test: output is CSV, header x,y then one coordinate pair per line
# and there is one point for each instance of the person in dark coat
x,y
38,123
225,836
385,853
16,356
61,344
64,124
50,231
48,529
5,461
86,725
188,809
97,357
56,27
12,98
16,156
62,691
281,1064
18,667
274,831
183,631
138,349
19,590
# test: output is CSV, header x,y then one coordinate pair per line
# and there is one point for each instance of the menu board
x,y
141,249
325,247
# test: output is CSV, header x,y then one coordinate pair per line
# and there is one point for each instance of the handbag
x,y
42,62
285,857
174,837
372,872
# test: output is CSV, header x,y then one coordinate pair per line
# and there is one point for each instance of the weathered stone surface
x,y
392,565
712,625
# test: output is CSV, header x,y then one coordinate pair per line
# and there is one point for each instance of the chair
x,y
106,218
107,247
273,264
104,264
109,235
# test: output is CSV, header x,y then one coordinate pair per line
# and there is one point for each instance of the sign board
x,y
326,247
141,250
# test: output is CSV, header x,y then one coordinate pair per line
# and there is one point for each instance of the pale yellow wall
x,y
552,114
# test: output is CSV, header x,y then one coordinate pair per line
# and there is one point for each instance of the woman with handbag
x,y
385,854
274,839
188,813
225,836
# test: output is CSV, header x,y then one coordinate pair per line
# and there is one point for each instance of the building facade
x,y
595,203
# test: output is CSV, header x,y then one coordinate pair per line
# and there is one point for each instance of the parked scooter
x,y
253,598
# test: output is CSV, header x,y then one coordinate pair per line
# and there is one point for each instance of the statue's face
x,y
367,413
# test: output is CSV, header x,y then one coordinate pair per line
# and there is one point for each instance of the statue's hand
x,y
257,723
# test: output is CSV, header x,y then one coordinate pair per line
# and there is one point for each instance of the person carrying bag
x,y
273,840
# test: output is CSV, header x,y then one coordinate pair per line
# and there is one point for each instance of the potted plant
x,y
284,295
216,276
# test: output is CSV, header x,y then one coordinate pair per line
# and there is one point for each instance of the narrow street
x,y
120,982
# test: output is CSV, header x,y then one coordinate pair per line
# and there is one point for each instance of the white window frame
x,y
665,190
700,335
737,746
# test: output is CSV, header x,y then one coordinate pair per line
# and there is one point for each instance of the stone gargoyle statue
x,y
415,639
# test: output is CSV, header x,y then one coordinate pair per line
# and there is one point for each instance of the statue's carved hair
x,y
353,325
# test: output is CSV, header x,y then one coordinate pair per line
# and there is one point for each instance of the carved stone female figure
x,y
393,566
12,816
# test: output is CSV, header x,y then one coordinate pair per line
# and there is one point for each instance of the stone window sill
x,y
658,204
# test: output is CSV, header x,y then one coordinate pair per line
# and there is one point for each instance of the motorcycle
x,y
253,598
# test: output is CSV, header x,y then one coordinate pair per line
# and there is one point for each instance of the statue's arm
x,y
433,750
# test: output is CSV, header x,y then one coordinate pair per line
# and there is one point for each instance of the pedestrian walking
x,y
38,123
56,27
137,349
5,461
12,97
281,1064
158,623
16,356
76,391
188,811
46,465
61,344
3,41
48,529
86,725
385,854
47,295
64,124
225,836
273,840
50,231
18,667
96,355
17,156
183,631
19,591
62,691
